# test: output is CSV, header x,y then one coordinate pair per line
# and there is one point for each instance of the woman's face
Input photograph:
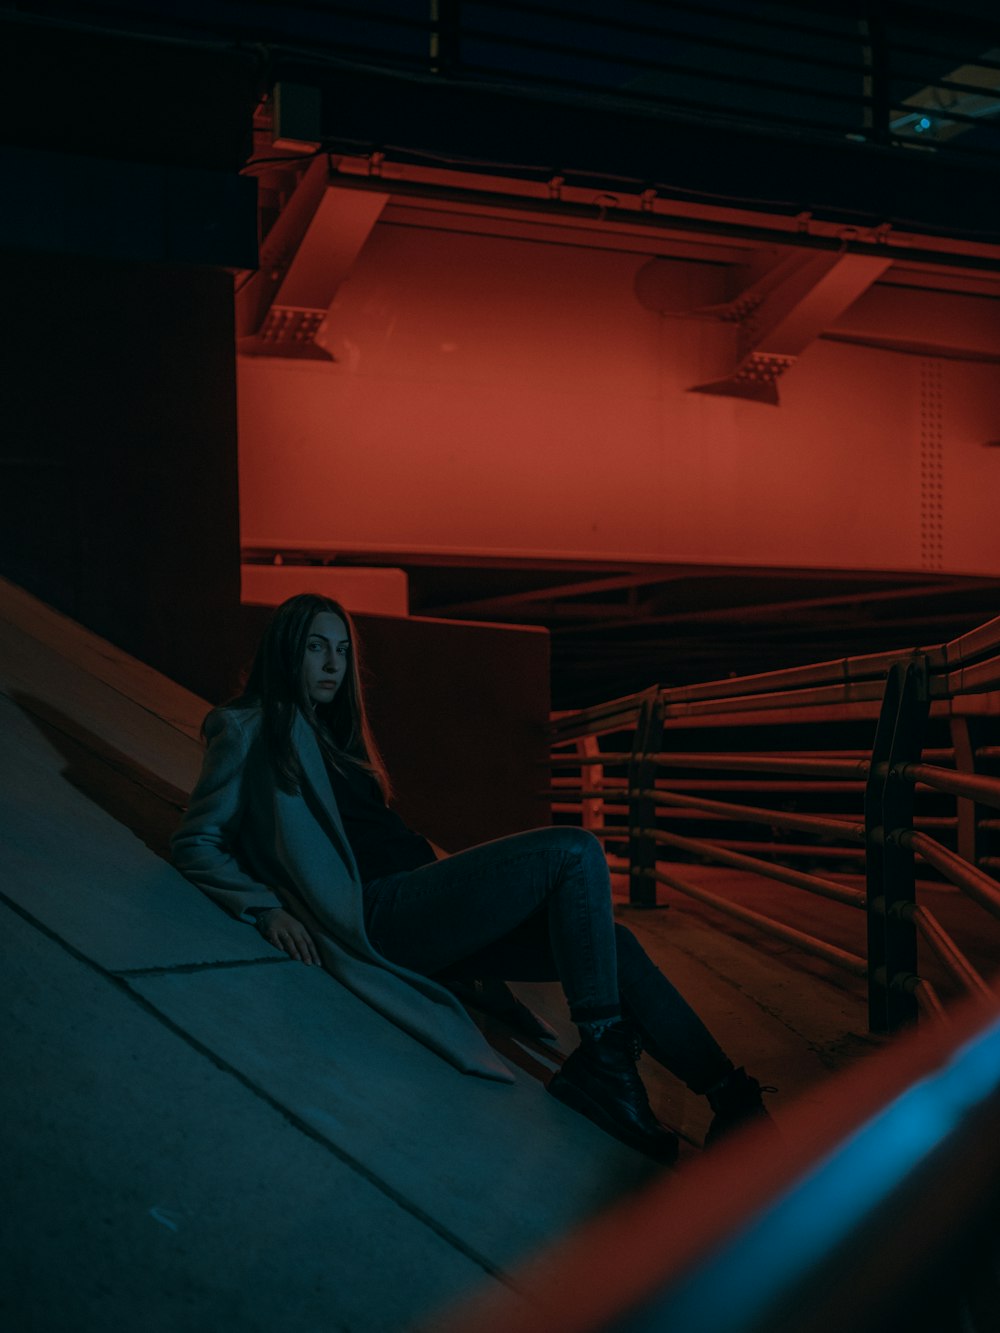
x,y
326,660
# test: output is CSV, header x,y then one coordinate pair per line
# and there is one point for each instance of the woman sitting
x,y
290,828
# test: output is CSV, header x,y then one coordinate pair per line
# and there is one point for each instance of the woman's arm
x,y
202,847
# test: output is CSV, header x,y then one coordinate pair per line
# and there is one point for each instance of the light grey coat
x,y
248,844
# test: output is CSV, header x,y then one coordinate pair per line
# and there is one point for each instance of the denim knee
x,y
579,841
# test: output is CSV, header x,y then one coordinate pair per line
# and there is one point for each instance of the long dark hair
x,y
274,684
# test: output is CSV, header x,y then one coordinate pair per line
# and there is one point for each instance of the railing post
x,y
445,36
592,776
890,868
642,808
968,838
877,81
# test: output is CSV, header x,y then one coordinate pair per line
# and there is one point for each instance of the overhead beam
x,y
770,611
559,591
281,310
783,311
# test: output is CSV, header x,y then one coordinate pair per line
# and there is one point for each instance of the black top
x,y
380,841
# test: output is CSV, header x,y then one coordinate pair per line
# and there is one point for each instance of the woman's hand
x,y
284,931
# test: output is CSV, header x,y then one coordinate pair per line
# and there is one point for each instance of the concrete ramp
x,y
199,1132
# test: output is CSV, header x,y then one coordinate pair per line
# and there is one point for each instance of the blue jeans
x,y
537,906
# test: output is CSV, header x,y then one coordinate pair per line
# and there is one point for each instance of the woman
x,y
289,828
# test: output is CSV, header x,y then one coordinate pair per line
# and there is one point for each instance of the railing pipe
x,y
570,796
975,644
791,701
872,667
843,828
951,957
850,962
825,888
982,888
986,790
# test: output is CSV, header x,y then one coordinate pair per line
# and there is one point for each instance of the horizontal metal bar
x,y
975,677
973,644
787,786
775,716
616,715
789,701
979,886
951,957
842,828
611,757
850,962
574,807
814,762
980,788
750,763
838,670
613,805
825,888
793,849
608,831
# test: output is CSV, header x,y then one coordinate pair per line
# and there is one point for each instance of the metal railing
x,y
613,772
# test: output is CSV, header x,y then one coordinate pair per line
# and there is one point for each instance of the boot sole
x,y
570,1095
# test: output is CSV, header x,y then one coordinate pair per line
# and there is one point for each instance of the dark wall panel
x,y
118,490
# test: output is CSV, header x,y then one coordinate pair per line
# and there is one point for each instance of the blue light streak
x,y
778,1248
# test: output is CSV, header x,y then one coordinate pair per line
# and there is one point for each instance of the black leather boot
x,y
600,1081
736,1100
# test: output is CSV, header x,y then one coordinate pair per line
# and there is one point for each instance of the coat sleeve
x,y
204,846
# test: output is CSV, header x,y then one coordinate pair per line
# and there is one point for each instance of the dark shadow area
x,y
147,805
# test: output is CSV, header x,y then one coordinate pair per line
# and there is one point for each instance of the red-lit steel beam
x,y
770,611
562,591
783,311
282,308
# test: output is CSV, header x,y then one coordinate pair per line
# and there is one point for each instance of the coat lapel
x,y
314,772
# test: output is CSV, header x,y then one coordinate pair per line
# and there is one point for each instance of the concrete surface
x,y
200,1133
149,1186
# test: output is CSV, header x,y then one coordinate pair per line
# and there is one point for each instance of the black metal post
x,y
890,869
642,808
969,840
446,36
879,77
